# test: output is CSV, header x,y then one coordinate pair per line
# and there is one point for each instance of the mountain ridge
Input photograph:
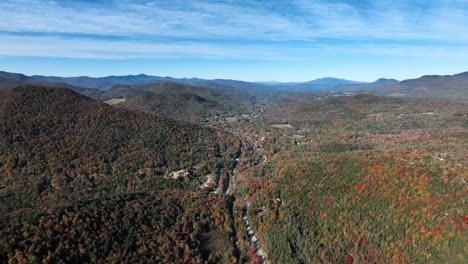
x,y
453,86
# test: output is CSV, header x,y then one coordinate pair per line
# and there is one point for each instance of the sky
x,y
251,40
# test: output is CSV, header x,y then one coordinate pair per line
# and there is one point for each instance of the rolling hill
x,y
65,156
65,129
315,177
365,87
435,86
183,106
181,101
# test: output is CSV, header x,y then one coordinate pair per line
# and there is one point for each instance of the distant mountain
x,y
365,87
320,84
253,89
330,82
106,83
11,80
453,87
13,76
436,86
101,83
270,83
383,82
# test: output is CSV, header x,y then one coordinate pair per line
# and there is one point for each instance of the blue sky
x,y
252,40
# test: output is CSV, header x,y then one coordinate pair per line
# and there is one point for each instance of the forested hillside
x,y
358,179
233,132
64,157
183,102
365,112
317,179
71,133
430,86
159,227
183,106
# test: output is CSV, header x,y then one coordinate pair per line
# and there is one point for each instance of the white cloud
x,y
251,20
233,29
115,49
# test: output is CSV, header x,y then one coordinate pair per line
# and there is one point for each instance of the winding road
x,y
251,234
257,247
232,179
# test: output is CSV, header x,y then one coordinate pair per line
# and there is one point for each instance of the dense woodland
x,y
359,179
61,151
195,104
158,227
321,179
183,106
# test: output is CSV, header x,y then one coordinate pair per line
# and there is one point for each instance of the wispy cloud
x,y
249,29
51,46
271,20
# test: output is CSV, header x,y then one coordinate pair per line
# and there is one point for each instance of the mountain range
x,y
436,86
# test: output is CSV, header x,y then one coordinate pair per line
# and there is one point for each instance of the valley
x,y
201,172
233,132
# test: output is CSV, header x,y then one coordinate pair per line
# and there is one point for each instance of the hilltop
x,y
434,86
65,158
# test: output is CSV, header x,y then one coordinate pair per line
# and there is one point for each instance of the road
x,y
232,180
257,247
251,234
232,185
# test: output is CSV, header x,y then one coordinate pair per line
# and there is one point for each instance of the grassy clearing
x,y
231,119
115,101
281,126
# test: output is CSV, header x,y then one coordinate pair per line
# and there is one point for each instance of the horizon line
x,y
225,79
